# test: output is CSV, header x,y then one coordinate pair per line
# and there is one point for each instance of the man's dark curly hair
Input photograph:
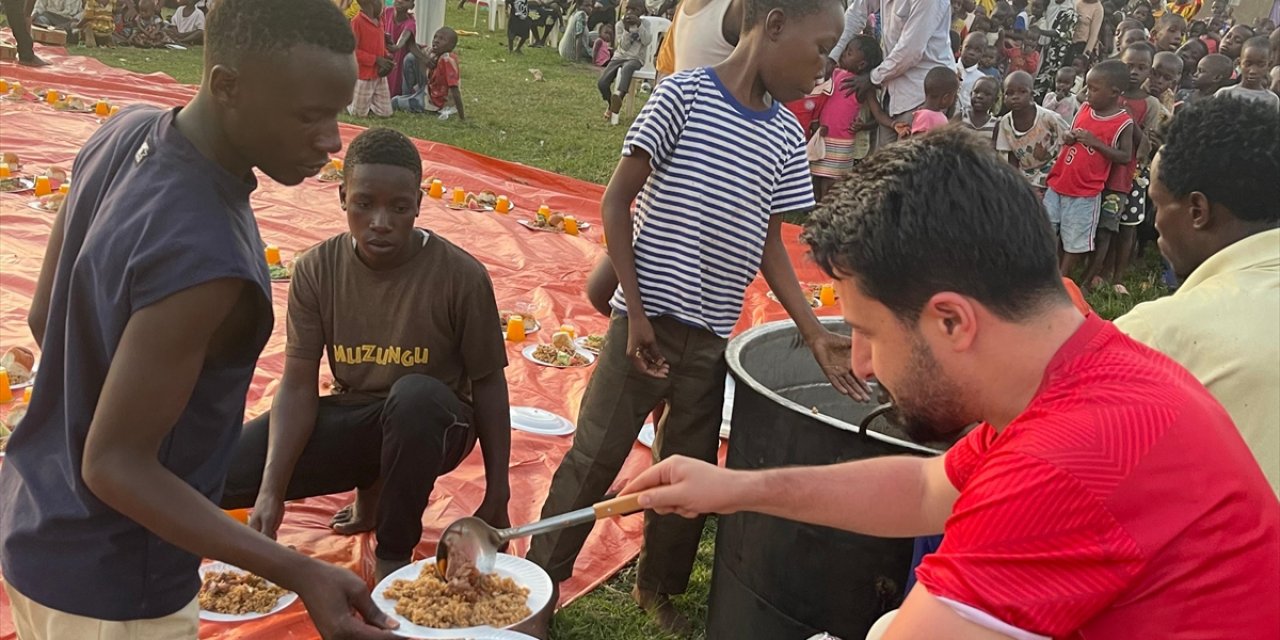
x,y
238,28
756,10
380,145
939,213
1228,149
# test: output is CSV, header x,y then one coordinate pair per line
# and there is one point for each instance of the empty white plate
x,y
647,435
540,422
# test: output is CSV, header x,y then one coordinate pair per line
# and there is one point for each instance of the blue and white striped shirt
x,y
719,171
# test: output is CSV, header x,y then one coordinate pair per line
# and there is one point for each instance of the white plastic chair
x,y
497,10
658,27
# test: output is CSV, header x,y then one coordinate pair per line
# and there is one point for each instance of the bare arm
x,y
493,428
1122,153
922,615
38,316
897,497
148,385
831,350
293,419
632,172
456,94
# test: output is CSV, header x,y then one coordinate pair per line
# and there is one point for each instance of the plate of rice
x,y
428,607
231,594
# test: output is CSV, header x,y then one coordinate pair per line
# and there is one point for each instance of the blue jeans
x,y
414,83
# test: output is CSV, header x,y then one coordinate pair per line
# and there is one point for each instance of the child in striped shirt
x,y
710,163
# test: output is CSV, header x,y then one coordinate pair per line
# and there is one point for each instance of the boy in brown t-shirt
x,y
410,327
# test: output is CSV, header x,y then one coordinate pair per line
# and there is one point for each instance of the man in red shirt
x,y
440,92
1105,494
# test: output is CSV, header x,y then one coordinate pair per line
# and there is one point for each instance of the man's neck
x,y
1011,382
199,124
740,74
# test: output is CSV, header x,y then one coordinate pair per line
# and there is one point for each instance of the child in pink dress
x,y
839,113
602,51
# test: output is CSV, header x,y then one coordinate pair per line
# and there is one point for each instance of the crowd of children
x,y
134,23
1080,113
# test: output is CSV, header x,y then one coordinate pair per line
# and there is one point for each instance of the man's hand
x,y
1069,137
687,487
268,513
859,84
832,351
384,66
642,348
340,606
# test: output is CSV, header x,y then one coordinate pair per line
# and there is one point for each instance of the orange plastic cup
x,y
114,110
51,96
571,225
101,108
515,329
827,295
459,195
437,189
503,205
6,394
5,172
569,329
239,515
26,395
273,254
43,186
64,188
4,86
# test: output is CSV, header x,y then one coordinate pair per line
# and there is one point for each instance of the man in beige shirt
x,y
1218,213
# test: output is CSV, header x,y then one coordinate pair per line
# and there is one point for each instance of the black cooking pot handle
x,y
875,413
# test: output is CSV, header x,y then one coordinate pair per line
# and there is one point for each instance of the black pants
x,y
621,70
15,11
420,432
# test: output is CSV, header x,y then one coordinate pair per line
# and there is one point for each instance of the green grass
x,y
556,125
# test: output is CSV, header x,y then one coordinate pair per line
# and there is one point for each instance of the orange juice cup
x,y
569,329
4,86
239,515
571,225
544,211
515,329
503,205
437,189
114,110
827,295
26,395
51,96
101,108
64,188
459,195
5,172
43,186
273,254
6,394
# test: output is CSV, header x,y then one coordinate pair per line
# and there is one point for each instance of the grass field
x,y
556,125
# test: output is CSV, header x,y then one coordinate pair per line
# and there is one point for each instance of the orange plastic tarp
x,y
545,269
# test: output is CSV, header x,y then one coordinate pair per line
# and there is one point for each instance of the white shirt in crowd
x,y
73,9
917,38
188,24
855,20
699,37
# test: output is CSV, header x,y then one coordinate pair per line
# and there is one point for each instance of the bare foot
x,y
33,61
353,519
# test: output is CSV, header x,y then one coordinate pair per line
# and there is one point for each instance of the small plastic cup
x,y
436,190
503,205
6,394
26,395
273,254
571,225
515,329
114,110
43,186
827,295
239,515
5,172
459,195
51,96
101,108
4,86
64,188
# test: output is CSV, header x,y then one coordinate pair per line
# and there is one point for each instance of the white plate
x,y
528,355
525,573
647,435
543,423
726,418
30,381
581,343
24,184
528,224
35,204
284,601
536,326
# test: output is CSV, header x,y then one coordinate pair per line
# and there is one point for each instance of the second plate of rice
x,y
407,595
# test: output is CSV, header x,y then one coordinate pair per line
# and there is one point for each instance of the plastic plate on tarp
x,y
648,434
281,604
523,572
537,421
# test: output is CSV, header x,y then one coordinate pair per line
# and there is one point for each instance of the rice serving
x,y
236,593
471,600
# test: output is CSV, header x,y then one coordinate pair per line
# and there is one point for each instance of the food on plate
x,y
280,271
51,202
812,291
19,362
530,322
332,172
13,184
552,222
473,202
487,199
238,593
10,158
73,103
562,340
57,175
469,600
593,343
549,354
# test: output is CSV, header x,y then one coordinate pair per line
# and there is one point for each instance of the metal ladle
x,y
472,542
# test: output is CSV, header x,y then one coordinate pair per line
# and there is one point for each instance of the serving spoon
x,y
472,542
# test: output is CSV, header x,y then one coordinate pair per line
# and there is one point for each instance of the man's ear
x,y
342,194
774,23
1201,211
224,85
951,318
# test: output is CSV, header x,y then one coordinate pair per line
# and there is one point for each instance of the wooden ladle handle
x,y
620,506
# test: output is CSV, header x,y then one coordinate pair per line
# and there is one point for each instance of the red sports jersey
x,y
1121,177
1081,172
1122,504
